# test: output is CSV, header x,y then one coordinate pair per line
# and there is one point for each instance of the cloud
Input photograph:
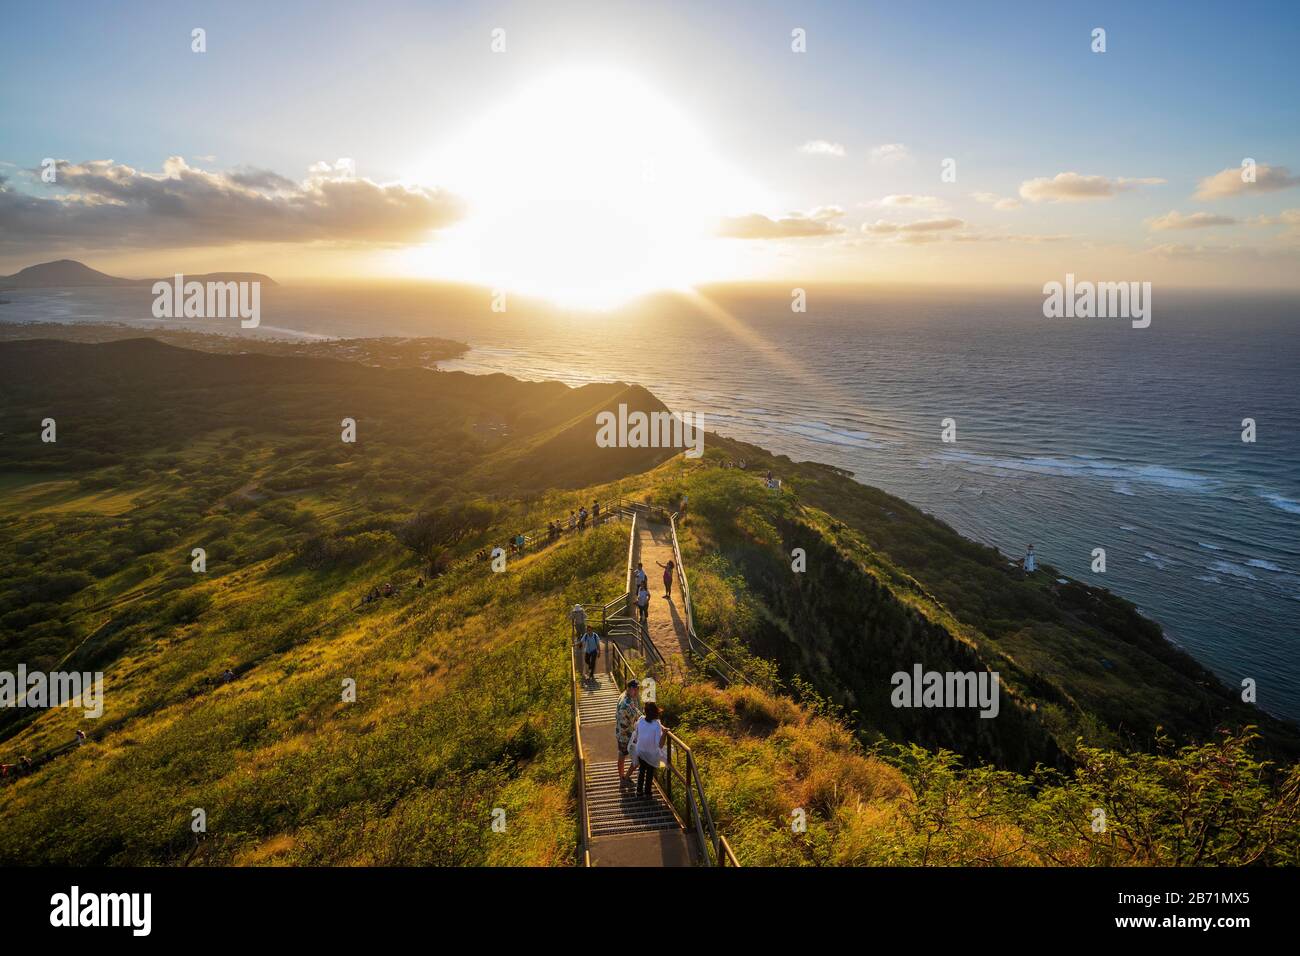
x,y
923,226
890,153
1002,203
911,201
1073,187
821,147
1287,217
101,203
796,225
1229,182
1220,253
1197,220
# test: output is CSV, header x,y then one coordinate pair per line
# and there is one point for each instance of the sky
x,y
590,152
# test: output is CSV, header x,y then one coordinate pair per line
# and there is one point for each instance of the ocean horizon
x,y
1071,434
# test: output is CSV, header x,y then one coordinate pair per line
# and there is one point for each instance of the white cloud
x,y
1197,220
883,228
107,203
795,225
822,147
912,201
1002,203
1287,217
890,153
1075,187
1229,182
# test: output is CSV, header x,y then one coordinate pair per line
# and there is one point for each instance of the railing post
x,y
668,759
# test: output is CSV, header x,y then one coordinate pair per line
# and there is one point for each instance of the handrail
x,y
579,765
616,511
714,848
709,658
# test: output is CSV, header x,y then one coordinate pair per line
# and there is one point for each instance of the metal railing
x,y
688,799
705,655
579,766
538,538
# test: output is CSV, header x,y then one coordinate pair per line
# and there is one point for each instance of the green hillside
x,y
225,689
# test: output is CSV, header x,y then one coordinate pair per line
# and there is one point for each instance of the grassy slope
x,y
888,586
462,687
462,706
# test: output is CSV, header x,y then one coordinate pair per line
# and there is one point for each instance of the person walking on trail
x,y
639,579
595,513
582,518
625,717
643,605
573,521
668,578
649,735
579,618
590,648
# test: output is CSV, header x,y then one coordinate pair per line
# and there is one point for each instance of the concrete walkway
x,y
626,830
667,618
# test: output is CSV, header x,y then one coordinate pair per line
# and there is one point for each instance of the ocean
x,y
1072,434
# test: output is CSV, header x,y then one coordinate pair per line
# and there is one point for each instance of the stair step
x,y
614,809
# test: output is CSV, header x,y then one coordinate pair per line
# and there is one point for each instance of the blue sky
x,y
1011,90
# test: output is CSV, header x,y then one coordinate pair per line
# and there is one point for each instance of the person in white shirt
x,y
649,748
643,605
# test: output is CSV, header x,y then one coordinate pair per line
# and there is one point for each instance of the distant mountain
x,y
68,273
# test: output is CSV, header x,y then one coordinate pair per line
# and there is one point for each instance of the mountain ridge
x,y
71,273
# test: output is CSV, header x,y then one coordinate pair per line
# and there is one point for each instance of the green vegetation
x,y
225,689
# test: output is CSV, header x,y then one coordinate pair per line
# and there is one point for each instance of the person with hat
x,y
624,720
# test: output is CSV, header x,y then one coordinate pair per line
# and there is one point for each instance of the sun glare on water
x,y
586,189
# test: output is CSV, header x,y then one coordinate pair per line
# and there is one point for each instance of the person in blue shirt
x,y
590,648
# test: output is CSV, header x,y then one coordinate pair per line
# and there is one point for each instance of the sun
x,y
587,188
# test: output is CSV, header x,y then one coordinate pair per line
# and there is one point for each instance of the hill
x,y
224,688
68,273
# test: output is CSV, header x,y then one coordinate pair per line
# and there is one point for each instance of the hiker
x,y
572,521
520,541
420,583
741,465
582,518
595,513
590,648
81,737
624,720
643,605
649,737
1031,561
639,579
388,589
26,761
579,618
668,578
